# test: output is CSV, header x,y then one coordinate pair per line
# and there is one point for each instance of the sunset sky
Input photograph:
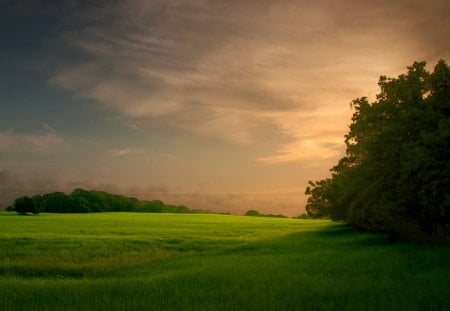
x,y
220,105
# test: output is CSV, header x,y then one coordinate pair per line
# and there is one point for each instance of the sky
x,y
219,105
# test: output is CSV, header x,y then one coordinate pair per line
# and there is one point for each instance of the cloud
x,y
49,143
304,149
125,152
242,71
315,136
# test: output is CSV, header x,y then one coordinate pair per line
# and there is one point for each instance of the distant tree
x,y
252,213
79,205
201,211
256,213
179,209
38,201
25,205
150,206
56,202
83,201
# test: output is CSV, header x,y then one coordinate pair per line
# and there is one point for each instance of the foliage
x,y
142,261
83,201
252,212
25,205
256,213
395,176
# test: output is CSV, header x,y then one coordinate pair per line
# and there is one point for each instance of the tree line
x,y
84,201
256,213
395,176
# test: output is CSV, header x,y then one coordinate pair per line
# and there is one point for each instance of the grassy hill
x,y
129,261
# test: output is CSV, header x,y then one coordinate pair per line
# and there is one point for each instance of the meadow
x,y
129,261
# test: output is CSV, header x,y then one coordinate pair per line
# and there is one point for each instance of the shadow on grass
x,y
330,238
345,234
44,272
334,231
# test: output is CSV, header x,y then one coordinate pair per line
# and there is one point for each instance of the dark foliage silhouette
x,y
395,176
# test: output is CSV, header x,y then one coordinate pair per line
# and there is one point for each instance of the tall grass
x,y
126,261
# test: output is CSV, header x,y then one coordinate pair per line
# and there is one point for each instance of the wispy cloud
x,y
48,143
242,71
125,152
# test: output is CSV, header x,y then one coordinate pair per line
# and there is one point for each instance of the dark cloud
x,y
424,24
24,8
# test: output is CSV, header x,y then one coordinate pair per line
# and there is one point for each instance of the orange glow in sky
x,y
219,105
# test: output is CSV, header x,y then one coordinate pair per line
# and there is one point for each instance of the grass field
x,y
126,261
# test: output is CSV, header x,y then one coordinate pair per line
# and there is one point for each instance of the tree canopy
x,y
395,176
25,205
83,201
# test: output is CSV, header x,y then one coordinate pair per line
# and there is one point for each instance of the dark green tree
x,y
151,206
38,201
25,205
79,205
56,202
320,197
396,173
252,212
83,201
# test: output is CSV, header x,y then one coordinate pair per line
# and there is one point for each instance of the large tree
x,y
396,173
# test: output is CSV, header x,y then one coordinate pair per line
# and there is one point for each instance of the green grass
x,y
127,261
